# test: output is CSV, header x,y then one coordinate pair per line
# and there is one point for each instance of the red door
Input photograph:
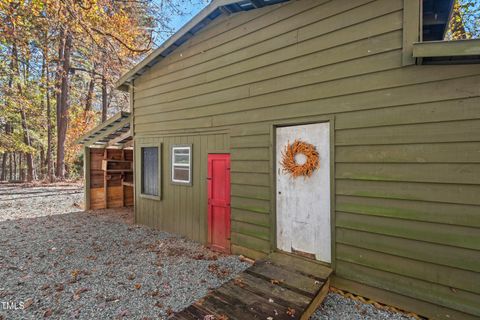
x,y
219,201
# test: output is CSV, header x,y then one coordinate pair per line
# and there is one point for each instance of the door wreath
x,y
290,165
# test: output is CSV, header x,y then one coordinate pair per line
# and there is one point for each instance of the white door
x,y
303,204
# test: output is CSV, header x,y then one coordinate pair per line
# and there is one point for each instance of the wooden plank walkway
x,y
282,286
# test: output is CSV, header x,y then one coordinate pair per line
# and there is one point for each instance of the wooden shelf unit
x,y
111,183
117,165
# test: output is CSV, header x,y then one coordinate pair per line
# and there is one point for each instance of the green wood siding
x,y
183,208
406,143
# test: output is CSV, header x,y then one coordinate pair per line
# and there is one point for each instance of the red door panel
x,y
219,201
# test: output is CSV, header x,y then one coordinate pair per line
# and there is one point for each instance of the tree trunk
x,y
20,167
10,167
42,162
62,105
26,140
8,126
104,99
58,97
88,100
49,123
5,155
46,101
14,166
4,166
23,117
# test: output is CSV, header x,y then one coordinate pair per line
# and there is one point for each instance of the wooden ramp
x,y
282,286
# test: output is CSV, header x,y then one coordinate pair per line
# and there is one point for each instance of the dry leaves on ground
x,y
291,312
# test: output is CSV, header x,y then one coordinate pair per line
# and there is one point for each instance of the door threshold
x,y
295,255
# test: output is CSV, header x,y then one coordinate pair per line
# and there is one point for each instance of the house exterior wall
x,y
406,144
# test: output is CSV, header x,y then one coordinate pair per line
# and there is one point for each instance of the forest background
x,y
59,60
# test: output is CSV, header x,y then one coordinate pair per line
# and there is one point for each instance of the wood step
x,y
281,286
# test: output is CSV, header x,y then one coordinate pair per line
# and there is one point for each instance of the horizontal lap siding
x,y
407,143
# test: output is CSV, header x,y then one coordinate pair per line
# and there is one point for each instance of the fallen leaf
x,y
222,317
47,313
111,298
199,256
239,282
27,303
199,302
74,274
213,267
291,312
138,286
154,293
123,313
275,281
78,292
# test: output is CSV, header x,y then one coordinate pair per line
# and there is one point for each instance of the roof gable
x,y
211,12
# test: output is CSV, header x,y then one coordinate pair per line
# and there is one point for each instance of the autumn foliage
x,y
59,60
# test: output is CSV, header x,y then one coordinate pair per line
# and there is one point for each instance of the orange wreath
x,y
292,167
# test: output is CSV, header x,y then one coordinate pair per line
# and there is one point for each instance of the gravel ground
x,y
336,306
60,263
21,201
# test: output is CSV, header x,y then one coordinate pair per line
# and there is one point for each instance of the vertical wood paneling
x,y
182,209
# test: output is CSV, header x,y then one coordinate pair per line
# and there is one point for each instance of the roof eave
x,y
119,117
124,82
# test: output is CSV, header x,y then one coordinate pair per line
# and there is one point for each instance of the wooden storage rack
x,y
111,178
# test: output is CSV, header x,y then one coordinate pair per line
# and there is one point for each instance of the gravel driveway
x,y
61,263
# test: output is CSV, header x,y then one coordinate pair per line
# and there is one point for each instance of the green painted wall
x,y
406,143
182,209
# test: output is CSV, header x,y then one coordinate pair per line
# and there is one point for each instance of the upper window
x,y
441,31
150,171
450,20
182,164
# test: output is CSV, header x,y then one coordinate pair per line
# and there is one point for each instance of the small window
x,y
182,164
150,171
441,32
450,20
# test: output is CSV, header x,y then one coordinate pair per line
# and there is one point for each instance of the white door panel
x,y
303,204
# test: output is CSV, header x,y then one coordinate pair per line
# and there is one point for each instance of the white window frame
x,y
189,165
